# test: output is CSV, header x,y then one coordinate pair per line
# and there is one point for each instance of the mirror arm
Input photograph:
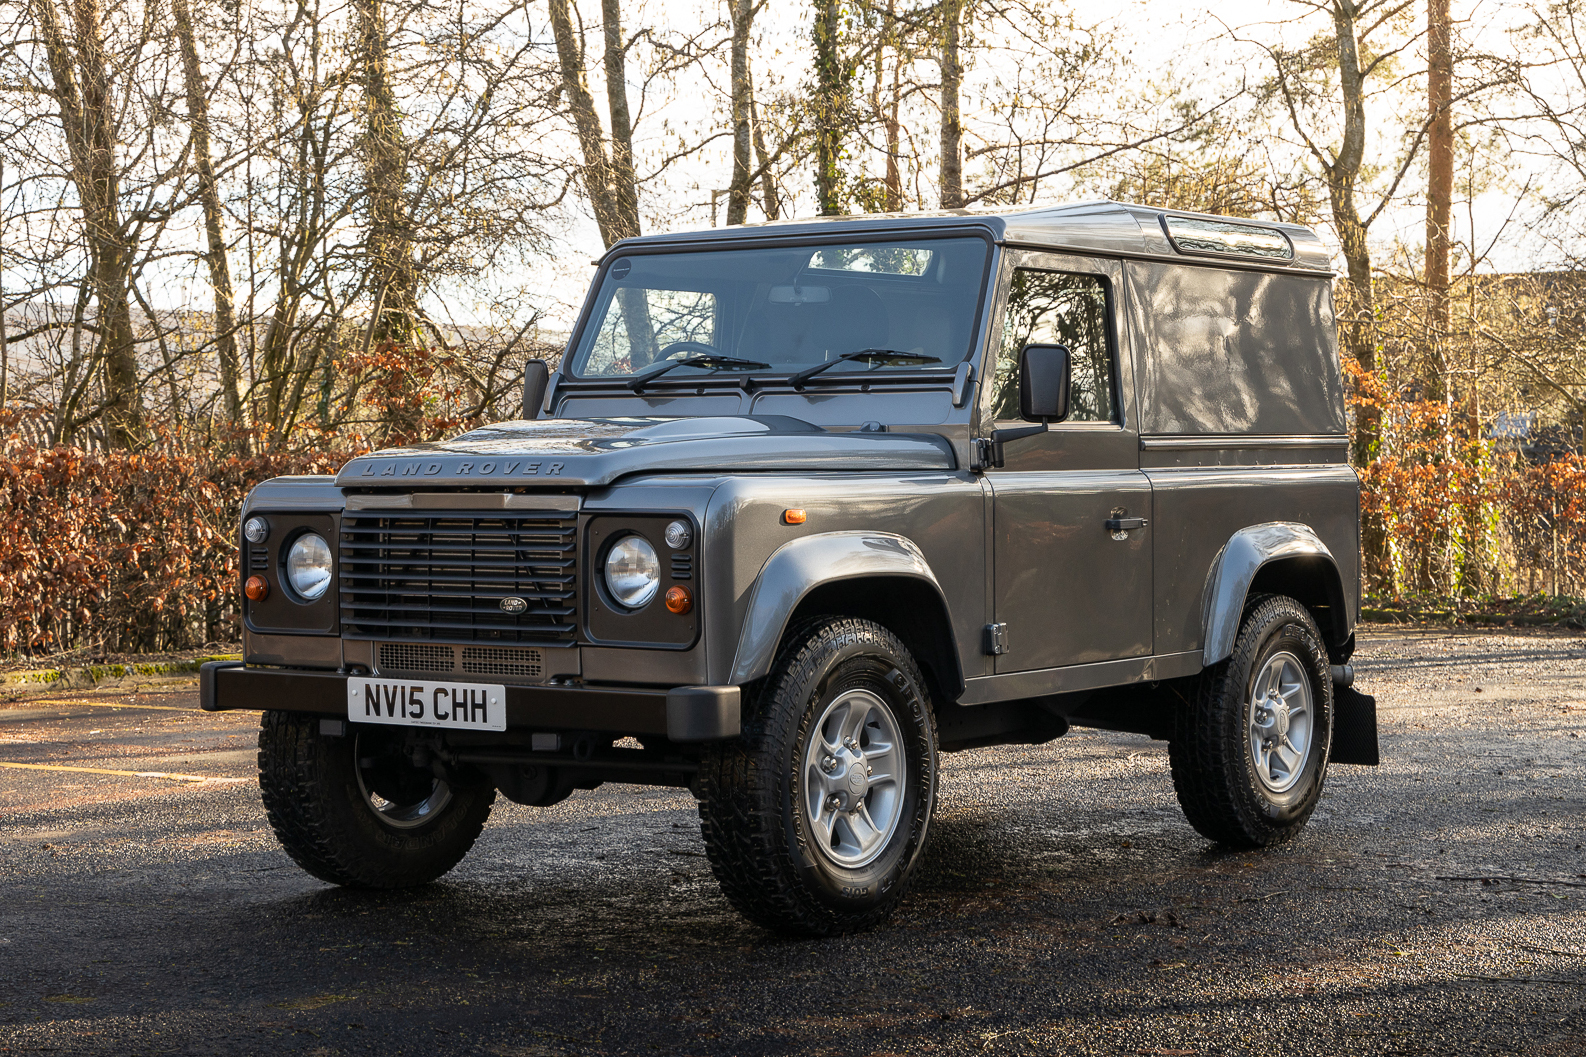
x,y
999,437
551,386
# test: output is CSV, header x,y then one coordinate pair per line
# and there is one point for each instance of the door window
x,y
1058,308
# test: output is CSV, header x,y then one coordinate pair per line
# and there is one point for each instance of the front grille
x,y
502,660
416,657
444,576
436,658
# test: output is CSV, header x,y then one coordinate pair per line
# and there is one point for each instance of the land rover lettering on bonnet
x,y
803,507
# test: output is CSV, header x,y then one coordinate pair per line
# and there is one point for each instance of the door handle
x,y
1124,524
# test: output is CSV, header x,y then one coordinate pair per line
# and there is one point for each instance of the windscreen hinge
x,y
982,453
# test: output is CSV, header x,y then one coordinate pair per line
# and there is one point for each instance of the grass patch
x,y
1517,611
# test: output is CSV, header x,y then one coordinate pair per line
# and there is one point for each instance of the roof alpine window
x,y
1223,238
875,259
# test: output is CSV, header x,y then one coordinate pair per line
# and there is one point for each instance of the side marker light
x,y
679,599
257,589
793,517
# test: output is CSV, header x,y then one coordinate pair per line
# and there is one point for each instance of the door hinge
x,y
983,454
996,639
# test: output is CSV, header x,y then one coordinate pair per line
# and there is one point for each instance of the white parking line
x,y
124,774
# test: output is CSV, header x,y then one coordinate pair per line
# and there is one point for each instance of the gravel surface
x,y
1435,905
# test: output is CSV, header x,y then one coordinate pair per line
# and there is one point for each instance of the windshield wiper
x,y
887,356
718,363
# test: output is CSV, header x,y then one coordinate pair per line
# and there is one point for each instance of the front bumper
x,y
685,713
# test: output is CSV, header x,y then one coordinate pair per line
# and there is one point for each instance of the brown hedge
x,y
136,551
125,551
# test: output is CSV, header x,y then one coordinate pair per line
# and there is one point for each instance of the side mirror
x,y
1043,383
535,376
1043,396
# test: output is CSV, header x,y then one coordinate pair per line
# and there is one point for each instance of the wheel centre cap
x,y
858,783
1280,716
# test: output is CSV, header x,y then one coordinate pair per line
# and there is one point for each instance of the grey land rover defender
x,y
804,506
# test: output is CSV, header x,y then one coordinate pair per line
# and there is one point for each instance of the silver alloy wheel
x,y
855,774
1280,721
393,814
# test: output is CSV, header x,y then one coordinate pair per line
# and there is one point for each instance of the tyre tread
x,y
297,784
740,806
1201,752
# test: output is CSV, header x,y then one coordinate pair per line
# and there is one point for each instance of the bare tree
x,y
829,104
624,182
1553,90
952,166
742,13
599,174
1439,186
81,88
209,196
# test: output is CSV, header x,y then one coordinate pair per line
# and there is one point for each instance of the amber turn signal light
x,y
679,599
793,517
257,589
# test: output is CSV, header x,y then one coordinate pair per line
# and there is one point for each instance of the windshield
x,y
900,306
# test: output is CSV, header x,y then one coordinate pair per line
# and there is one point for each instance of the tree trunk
x,y
385,171
5,345
830,105
952,176
894,185
1439,191
596,172
762,157
395,329
624,184
81,76
742,12
214,218
1357,328
1357,322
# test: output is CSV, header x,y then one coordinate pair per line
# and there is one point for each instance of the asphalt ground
x,y
1435,905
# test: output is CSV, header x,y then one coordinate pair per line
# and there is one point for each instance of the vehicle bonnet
x,y
599,451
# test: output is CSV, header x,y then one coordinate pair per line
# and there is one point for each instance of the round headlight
x,y
633,572
256,529
308,566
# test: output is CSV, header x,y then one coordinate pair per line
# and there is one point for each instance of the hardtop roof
x,y
1099,226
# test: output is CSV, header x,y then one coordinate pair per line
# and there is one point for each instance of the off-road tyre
x,y
1214,772
315,804
753,810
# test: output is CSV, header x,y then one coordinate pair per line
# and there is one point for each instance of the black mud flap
x,y
1354,727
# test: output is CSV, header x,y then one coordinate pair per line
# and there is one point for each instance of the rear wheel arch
x,y
1314,582
1278,557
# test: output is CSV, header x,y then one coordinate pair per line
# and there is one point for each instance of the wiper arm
x,y
719,363
863,356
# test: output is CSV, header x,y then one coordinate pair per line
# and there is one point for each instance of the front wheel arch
x,y
865,574
910,608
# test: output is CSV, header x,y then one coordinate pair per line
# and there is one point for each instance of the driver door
x,y
1067,589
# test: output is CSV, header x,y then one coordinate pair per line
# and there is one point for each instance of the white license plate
x,y
408,703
